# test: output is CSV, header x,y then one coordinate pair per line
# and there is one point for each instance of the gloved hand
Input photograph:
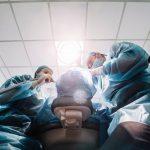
x,y
44,78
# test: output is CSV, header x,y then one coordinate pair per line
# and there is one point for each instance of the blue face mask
x,y
97,63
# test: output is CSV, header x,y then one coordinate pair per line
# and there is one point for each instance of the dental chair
x,y
72,135
72,111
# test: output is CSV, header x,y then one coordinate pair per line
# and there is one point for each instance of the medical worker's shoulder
x,y
21,78
16,79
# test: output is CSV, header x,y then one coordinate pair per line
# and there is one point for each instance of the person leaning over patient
x,y
43,74
128,92
22,111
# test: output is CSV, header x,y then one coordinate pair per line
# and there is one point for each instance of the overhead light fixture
x,y
69,52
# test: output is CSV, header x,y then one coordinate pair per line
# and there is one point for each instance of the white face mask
x,y
47,90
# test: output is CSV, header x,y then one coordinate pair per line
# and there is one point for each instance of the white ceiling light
x,y
69,52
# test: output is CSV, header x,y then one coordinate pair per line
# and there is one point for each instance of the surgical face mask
x,y
47,90
97,63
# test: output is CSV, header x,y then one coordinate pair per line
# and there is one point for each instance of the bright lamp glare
x,y
69,52
80,96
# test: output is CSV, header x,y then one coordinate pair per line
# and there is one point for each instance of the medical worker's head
x,y
95,59
126,60
119,48
43,70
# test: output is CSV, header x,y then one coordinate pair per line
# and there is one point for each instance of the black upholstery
x,y
69,101
62,139
129,136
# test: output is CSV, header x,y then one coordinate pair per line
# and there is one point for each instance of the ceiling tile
x,y
55,72
1,62
13,54
136,21
68,19
103,19
33,20
20,71
8,28
147,46
101,46
2,78
41,53
5,72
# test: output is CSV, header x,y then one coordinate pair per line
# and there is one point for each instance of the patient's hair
x,y
76,81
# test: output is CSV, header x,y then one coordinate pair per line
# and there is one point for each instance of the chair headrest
x,y
70,112
70,101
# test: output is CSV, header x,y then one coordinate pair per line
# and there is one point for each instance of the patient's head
x,y
74,88
76,83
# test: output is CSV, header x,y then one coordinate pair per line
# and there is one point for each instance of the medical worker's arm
x,y
14,87
44,78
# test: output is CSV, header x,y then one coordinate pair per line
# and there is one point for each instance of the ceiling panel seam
x,y
5,67
146,38
3,74
30,1
87,40
52,31
120,22
85,32
20,34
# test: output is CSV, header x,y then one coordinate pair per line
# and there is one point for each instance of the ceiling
x,y
34,33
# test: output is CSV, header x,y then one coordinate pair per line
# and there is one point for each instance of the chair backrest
x,y
59,139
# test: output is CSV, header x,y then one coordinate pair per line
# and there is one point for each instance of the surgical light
x,y
69,52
